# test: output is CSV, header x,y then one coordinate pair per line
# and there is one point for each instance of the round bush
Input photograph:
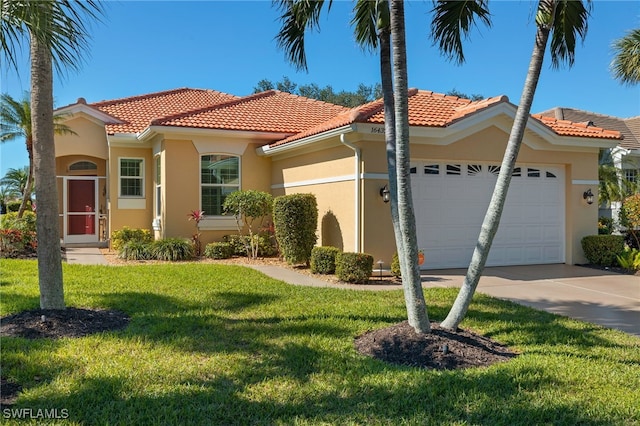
x,y
220,250
323,259
603,249
354,267
122,236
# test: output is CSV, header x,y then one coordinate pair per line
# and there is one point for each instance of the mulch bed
x,y
439,350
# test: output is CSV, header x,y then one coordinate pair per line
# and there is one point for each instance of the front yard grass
x,y
222,344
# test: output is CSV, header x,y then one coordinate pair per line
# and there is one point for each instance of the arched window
x,y
83,166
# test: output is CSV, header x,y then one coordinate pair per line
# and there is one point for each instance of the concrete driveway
x,y
599,297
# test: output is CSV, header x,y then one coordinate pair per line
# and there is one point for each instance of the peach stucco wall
x,y
90,139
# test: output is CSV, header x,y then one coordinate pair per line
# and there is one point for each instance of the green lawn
x,y
214,344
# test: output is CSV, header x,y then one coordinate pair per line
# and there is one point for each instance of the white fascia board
x,y
126,140
151,131
72,110
304,142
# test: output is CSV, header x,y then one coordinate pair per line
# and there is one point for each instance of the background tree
x,y
361,95
57,34
15,182
626,62
473,97
15,123
562,21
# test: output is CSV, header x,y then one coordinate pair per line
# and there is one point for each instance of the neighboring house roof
x,y
137,112
629,128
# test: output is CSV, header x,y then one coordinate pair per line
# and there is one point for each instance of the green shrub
x,y
630,217
172,249
27,223
121,237
295,218
354,267
323,259
630,259
13,206
395,265
135,250
603,249
605,225
218,250
238,243
14,242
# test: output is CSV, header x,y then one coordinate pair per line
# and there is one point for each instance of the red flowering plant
x,y
196,216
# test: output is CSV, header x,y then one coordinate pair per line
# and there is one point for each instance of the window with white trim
x,y
158,185
131,177
631,175
219,177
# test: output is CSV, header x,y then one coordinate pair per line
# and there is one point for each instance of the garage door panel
x,y
450,210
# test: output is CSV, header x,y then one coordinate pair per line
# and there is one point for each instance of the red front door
x,y
81,207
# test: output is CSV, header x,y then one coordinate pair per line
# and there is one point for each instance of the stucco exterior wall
x,y
329,174
90,139
181,183
133,212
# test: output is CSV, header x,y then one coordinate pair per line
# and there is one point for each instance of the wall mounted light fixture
x,y
588,195
384,193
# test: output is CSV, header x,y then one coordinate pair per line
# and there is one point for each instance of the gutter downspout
x,y
358,191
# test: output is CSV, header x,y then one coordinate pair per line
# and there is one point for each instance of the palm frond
x,y
368,19
570,21
453,20
297,17
626,62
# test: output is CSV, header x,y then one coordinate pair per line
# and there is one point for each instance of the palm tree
x,y
15,122
562,21
626,63
57,35
375,26
15,182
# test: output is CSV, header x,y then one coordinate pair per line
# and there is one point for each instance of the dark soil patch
x,y
439,350
54,324
58,323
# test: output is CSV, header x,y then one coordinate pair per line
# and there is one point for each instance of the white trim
x,y
151,131
205,146
218,223
132,203
81,108
585,182
82,238
213,185
320,181
268,151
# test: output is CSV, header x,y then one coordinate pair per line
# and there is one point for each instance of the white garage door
x,y
451,199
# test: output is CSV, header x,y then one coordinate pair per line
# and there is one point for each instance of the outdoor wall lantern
x,y
588,195
384,193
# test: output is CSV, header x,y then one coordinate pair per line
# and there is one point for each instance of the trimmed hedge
x,y
603,249
354,267
323,259
220,250
296,219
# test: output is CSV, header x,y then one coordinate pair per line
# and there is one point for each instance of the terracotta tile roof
x,y
628,128
138,112
426,109
270,111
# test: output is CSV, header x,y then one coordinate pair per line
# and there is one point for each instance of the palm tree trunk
x,y
26,196
386,77
494,211
409,268
48,231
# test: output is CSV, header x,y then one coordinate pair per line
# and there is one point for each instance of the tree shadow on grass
x,y
256,396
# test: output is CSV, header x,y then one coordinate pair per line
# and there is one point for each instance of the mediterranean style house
x,y
147,161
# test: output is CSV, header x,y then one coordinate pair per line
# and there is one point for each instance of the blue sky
x,y
149,46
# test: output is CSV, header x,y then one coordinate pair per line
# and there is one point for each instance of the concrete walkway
x,y
600,297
